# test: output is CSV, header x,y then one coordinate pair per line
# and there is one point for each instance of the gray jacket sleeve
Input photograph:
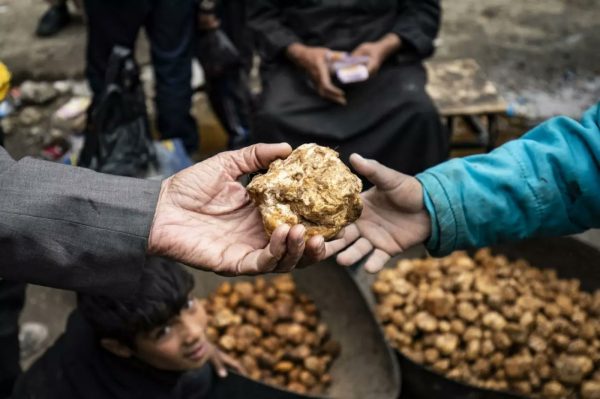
x,y
72,228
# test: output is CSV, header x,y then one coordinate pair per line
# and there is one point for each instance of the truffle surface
x,y
313,187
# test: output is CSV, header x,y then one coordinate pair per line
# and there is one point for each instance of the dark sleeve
x,y
418,24
72,228
272,36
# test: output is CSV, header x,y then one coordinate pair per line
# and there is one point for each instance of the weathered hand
x,y
205,219
394,217
314,61
222,361
378,51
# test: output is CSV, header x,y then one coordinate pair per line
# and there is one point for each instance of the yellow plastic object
x,y
4,81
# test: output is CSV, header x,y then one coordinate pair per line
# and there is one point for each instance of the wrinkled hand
x,y
205,219
314,61
394,217
378,51
222,361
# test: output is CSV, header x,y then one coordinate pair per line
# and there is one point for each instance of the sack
x,y
216,53
118,139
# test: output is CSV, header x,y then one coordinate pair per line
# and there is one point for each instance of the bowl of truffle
x,y
308,334
513,321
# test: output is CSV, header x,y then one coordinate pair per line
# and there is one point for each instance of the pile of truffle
x,y
494,324
274,332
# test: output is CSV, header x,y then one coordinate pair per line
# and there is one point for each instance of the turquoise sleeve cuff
x,y
434,238
444,224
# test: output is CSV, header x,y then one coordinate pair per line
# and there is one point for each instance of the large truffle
x,y
311,187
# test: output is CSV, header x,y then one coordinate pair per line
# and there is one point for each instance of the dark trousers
x,y
230,99
170,27
232,14
12,300
229,95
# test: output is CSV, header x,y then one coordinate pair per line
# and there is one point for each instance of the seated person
x,y
389,117
150,345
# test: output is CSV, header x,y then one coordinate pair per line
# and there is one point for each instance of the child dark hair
x,y
163,291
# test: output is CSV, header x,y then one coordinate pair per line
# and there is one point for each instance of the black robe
x,y
390,117
343,25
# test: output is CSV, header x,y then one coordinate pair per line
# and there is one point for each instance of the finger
x,y
376,261
332,96
265,260
372,66
295,249
233,364
381,176
253,158
360,50
332,92
317,249
314,252
349,235
341,234
355,252
327,88
217,363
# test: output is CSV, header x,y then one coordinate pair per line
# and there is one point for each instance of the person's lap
x,y
390,117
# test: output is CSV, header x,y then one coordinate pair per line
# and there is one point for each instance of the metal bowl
x,y
568,256
366,367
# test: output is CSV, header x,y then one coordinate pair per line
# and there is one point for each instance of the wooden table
x,y
460,89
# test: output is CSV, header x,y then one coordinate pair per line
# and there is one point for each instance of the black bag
x,y
216,53
118,139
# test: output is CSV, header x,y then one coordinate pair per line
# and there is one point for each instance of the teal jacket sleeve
x,y
545,184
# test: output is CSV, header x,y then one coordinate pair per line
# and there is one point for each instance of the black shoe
x,y
53,20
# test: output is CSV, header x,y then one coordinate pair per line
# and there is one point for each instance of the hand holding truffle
x,y
205,219
393,219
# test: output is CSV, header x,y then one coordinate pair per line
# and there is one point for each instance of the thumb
x,y
252,159
360,50
373,66
381,176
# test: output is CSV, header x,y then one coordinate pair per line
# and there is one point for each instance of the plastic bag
x,y
118,140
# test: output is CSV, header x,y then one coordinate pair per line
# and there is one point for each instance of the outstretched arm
x,y
72,228
544,184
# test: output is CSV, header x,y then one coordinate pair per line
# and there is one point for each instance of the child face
x,y
179,345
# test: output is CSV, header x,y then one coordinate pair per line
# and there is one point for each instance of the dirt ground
x,y
542,53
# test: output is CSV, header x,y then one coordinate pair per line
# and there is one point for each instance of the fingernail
x,y
367,159
222,373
